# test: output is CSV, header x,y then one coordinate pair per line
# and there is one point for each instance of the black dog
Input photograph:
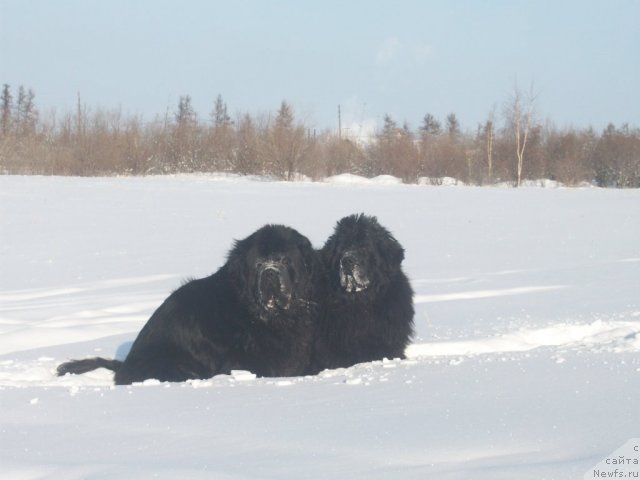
x,y
368,311
255,313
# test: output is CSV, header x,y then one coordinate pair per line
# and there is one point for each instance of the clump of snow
x,y
347,179
386,180
615,335
351,179
525,362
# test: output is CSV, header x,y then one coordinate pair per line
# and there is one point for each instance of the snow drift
x,y
525,363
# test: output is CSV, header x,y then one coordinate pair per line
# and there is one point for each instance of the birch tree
x,y
488,131
519,115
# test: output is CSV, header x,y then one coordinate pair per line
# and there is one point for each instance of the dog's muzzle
x,y
353,277
274,286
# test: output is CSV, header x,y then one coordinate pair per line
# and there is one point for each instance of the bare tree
x,y
87,141
395,152
220,139
185,153
519,115
246,160
487,135
489,132
340,155
430,131
617,157
286,144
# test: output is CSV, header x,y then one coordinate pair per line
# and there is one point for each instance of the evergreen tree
x,y
186,115
287,144
390,127
430,125
19,106
220,115
29,114
284,119
25,115
453,126
6,106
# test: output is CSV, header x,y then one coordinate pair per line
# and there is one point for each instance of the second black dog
x,y
368,308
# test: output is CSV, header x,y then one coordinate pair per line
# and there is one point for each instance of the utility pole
x,y
339,123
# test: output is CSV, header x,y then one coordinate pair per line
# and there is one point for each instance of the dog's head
x,y
361,256
272,270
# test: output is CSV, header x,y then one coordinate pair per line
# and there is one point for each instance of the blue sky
x,y
404,58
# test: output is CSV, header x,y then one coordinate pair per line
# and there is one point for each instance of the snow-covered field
x,y
526,363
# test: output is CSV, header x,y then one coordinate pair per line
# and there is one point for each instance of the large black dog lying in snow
x,y
255,313
368,301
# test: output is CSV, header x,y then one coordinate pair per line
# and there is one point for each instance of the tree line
x,y
510,146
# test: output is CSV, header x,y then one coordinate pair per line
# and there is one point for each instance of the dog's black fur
x,y
255,313
368,300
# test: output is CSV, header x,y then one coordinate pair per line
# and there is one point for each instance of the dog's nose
x,y
270,277
347,262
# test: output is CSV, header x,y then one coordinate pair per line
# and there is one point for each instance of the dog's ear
x,y
392,252
309,256
236,261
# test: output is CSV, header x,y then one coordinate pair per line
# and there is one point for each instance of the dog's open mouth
x,y
353,279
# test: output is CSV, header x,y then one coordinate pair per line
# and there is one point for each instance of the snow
x,y
351,179
525,364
